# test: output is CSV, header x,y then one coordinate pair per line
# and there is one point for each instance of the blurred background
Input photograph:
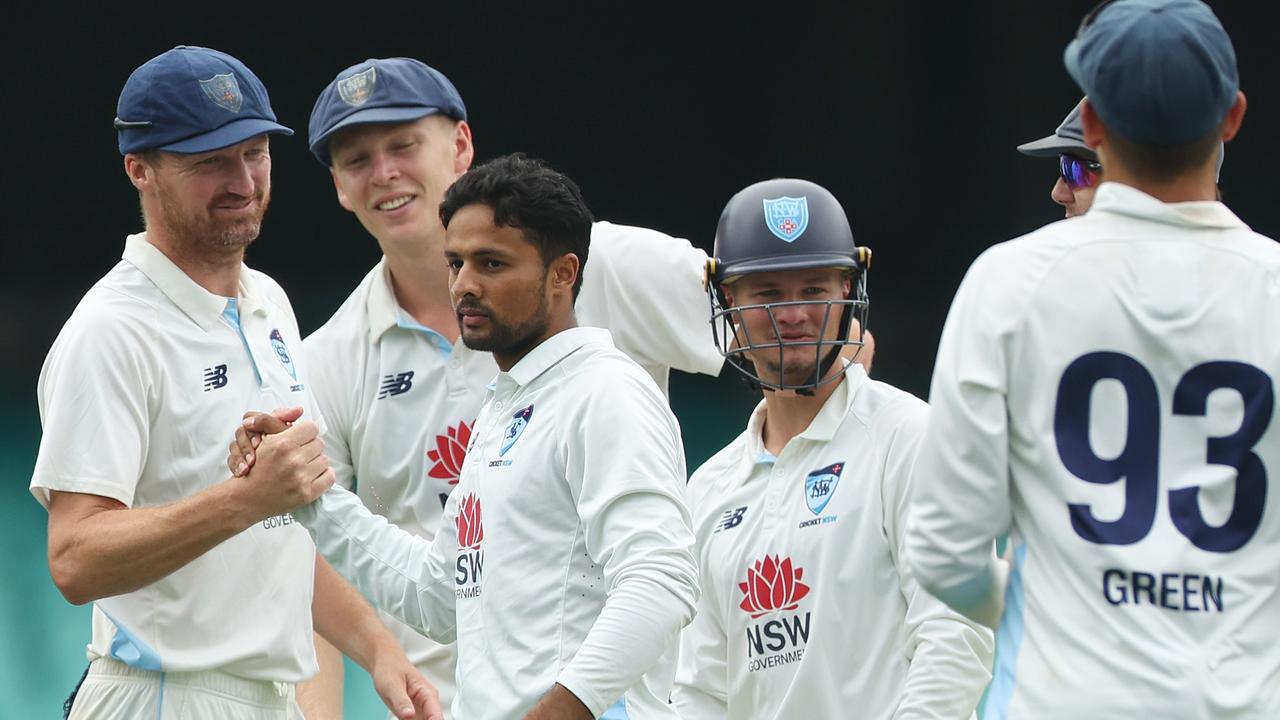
x,y
909,112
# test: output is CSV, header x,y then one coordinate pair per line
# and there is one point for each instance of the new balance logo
x,y
731,519
215,377
396,384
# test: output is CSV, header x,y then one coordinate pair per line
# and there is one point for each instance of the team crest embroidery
x,y
224,91
820,485
355,90
282,352
515,429
787,217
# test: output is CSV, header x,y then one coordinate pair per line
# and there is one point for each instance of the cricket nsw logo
x,y
450,452
787,217
772,584
519,421
470,555
773,587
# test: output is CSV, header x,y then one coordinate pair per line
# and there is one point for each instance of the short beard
x,y
204,238
514,340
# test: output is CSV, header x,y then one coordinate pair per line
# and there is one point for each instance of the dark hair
x,y
528,194
1160,163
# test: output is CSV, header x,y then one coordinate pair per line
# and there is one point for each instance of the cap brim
x,y
791,262
236,131
371,115
1055,145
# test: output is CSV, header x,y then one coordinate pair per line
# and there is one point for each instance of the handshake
x,y
278,463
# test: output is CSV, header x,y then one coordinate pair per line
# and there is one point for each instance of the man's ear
x,y
464,150
138,170
563,272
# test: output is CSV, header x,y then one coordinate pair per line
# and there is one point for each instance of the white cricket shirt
x,y
138,398
1104,391
565,555
400,401
808,609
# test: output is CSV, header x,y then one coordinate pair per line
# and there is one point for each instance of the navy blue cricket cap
x,y
380,90
1159,72
192,100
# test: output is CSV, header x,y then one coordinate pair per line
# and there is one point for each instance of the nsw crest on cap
x,y
224,91
787,217
356,89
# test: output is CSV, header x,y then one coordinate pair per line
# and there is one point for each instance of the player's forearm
x,y
99,548
345,619
559,704
320,698
392,568
949,668
638,624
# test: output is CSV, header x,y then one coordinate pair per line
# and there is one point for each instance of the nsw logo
x,y
773,585
470,555
395,384
355,90
282,353
820,485
519,421
224,91
215,378
787,217
450,452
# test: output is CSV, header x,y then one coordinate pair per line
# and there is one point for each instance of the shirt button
x,y
498,405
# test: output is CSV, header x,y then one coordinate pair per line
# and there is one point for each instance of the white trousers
x,y
115,691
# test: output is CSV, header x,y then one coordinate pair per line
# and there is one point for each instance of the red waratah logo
x,y
470,526
772,584
451,450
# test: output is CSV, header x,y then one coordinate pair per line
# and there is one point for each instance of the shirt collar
x,y
1118,199
202,306
382,307
823,426
552,350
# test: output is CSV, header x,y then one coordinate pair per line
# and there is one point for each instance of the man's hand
x,y
290,470
250,432
403,689
559,704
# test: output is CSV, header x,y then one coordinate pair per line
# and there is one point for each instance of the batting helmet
x,y
785,224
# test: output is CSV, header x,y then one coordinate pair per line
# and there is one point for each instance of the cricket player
x,y
1079,171
398,388
808,607
202,585
563,564
1104,391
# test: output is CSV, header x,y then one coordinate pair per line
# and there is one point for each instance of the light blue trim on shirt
x,y
1008,643
408,323
160,701
131,651
766,458
617,712
231,313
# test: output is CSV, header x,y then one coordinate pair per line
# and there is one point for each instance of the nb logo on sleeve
x,y
730,519
396,384
215,377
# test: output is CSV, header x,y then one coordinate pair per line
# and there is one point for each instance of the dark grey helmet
x,y
784,224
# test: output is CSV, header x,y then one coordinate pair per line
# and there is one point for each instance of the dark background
x,y
909,112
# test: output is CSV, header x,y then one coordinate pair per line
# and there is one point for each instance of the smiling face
x,y
502,290
393,175
784,338
209,203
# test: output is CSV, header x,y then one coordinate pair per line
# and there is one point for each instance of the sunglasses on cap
x,y
1078,173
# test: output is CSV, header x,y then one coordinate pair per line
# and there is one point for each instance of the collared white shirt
x,y
565,555
808,609
401,401
138,396
1104,392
